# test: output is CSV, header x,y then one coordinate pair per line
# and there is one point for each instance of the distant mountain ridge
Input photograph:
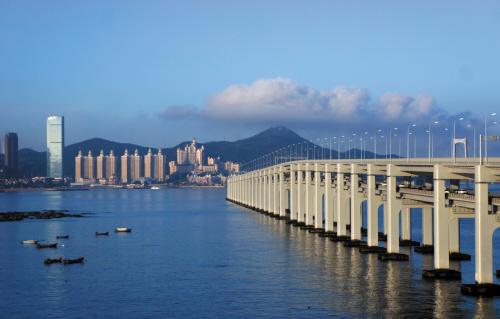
x,y
33,163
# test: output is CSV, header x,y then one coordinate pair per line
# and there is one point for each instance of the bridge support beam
x,y
282,192
356,199
293,193
309,197
301,206
276,195
341,204
372,210
318,206
328,200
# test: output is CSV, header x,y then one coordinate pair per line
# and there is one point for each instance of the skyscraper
x,y
125,163
100,171
136,166
159,164
79,167
89,166
10,158
55,146
111,167
149,165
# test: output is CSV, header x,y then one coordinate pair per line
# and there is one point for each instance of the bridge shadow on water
x,y
330,279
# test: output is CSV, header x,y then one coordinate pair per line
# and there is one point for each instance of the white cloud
x,y
283,101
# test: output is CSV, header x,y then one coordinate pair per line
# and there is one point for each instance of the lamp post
x,y
486,135
408,141
474,138
390,142
375,140
430,132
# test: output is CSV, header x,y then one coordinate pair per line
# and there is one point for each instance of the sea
x,y
192,254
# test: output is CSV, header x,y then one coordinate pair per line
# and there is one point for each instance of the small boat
x,y
29,242
155,188
106,233
123,230
54,245
50,261
74,261
62,237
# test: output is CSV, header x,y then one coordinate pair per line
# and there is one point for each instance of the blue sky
x,y
123,70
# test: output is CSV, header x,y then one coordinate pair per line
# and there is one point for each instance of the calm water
x,y
193,255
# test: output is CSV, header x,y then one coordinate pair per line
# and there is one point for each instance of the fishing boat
x,y
106,233
62,237
123,230
50,261
74,261
52,245
29,242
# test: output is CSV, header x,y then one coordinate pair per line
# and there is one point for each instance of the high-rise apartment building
x,y
125,164
149,165
111,166
190,155
100,166
159,166
136,166
55,146
79,167
89,166
10,155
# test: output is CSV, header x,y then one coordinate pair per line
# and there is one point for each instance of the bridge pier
x,y
427,242
282,197
355,207
328,200
293,193
300,195
309,197
394,207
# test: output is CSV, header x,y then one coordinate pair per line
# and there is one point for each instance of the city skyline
x,y
397,60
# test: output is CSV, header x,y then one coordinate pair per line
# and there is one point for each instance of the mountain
x,y
33,163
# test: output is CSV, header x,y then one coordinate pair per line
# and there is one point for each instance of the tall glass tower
x,y
55,146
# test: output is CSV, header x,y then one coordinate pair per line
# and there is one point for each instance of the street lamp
x,y
474,138
408,140
430,132
486,134
390,142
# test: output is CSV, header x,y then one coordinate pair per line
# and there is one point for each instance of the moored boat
x,y
52,245
29,242
106,233
123,230
78,260
62,237
50,261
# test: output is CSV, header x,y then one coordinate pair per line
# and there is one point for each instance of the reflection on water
x,y
191,255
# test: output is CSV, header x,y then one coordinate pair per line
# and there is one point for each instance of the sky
x,y
160,72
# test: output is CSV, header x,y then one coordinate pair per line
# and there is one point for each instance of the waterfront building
x,y
172,167
111,167
149,165
190,155
11,155
159,166
89,166
135,166
55,146
125,164
100,166
231,167
79,167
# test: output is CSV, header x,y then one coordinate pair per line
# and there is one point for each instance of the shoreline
x,y
114,187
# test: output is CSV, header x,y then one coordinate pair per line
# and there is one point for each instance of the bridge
x,y
326,197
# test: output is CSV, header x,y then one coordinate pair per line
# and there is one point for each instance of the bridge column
x,y
282,192
268,190
427,226
485,226
301,204
394,206
372,211
276,195
441,222
393,210
356,199
328,199
454,235
262,191
406,223
318,207
309,197
293,193
341,205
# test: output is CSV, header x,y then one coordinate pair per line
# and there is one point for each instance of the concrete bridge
x,y
326,197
